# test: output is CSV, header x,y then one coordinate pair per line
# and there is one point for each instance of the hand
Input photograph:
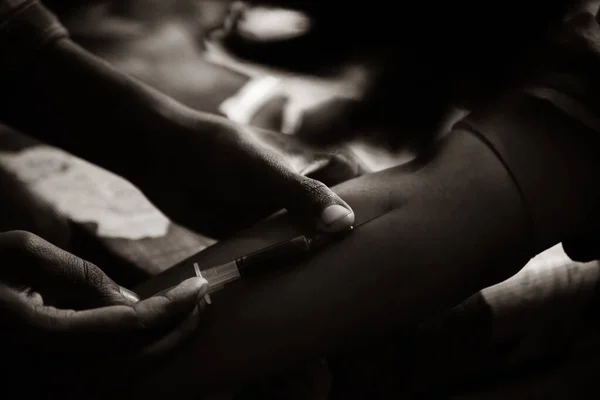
x,y
203,171
62,316
216,176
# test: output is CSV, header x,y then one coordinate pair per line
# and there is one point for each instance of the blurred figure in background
x,y
425,59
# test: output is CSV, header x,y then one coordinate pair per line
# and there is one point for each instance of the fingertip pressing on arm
x,y
336,218
330,212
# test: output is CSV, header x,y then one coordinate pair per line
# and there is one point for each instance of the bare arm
x,y
61,94
470,216
69,98
508,182
64,96
449,233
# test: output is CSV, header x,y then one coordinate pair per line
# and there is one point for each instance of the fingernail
x,y
129,295
336,214
191,286
194,284
198,285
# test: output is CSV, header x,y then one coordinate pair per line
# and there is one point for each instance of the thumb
x,y
327,209
83,285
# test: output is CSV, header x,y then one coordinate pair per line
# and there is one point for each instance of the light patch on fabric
x,y
86,193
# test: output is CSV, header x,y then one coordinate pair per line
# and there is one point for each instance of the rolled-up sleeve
x,y
26,26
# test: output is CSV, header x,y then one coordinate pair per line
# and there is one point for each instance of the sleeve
x,y
550,128
26,26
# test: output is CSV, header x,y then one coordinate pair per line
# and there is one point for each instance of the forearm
x,y
67,97
70,99
511,181
449,233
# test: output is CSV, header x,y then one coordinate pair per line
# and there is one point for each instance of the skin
x,y
453,225
469,216
59,311
445,219
92,110
73,100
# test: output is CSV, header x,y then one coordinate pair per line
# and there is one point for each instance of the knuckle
x,y
311,193
24,240
138,315
26,246
91,273
311,186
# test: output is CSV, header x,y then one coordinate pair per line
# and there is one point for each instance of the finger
x,y
282,186
163,346
312,197
63,279
149,314
174,305
119,369
115,328
174,337
305,196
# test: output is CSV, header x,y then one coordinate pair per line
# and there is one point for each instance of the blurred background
x,y
375,81
398,74
372,81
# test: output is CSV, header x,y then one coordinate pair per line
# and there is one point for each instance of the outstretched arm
x,y
455,225
508,182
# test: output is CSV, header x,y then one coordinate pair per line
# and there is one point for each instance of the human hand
x,y
217,176
62,316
